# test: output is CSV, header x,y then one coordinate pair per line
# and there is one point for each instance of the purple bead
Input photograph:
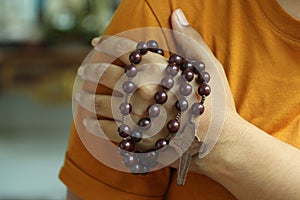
x,y
148,158
152,45
188,75
182,105
129,160
124,130
161,143
142,47
174,58
131,71
185,89
203,77
167,83
128,87
197,109
144,123
172,69
160,52
173,126
161,97
198,66
153,110
135,57
125,108
127,145
204,89
136,135
186,65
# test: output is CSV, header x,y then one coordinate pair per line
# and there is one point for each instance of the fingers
x,y
103,73
98,104
95,41
119,47
101,128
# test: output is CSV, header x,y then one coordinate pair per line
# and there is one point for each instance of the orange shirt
x,y
259,47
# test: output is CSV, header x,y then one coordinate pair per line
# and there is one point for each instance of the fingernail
x,y
181,18
80,71
77,97
95,41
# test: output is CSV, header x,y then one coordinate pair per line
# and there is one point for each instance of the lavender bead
x,y
124,130
167,83
128,87
182,105
131,71
125,108
197,109
136,135
142,47
185,89
153,110
172,69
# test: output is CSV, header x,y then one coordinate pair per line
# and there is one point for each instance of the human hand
x,y
143,97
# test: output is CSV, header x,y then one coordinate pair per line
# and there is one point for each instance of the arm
x,y
246,160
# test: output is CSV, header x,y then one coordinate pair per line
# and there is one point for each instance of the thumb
x,y
188,40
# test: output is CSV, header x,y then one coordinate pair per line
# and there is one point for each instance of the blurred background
x,y
42,43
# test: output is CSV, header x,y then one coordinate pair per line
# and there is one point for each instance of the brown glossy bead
x,y
161,97
153,110
136,135
144,123
174,58
188,75
160,52
186,65
204,89
152,45
185,89
127,145
173,126
128,87
182,105
161,143
172,69
142,47
125,108
131,71
135,57
198,109
167,83
124,130
203,77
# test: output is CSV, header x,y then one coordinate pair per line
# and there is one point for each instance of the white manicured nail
x,y
181,18
80,71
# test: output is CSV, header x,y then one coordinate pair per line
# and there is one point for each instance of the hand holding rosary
x,y
130,136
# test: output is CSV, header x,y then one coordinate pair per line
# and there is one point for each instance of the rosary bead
x,y
127,145
136,135
160,52
144,123
198,66
128,87
174,58
188,75
186,65
182,105
153,110
173,126
197,109
204,89
161,143
138,168
167,83
161,97
124,130
129,160
131,71
125,108
185,89
135,57
203,77
152,45
142,47
172,69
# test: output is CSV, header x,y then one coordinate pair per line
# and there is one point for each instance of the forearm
x,y
254,165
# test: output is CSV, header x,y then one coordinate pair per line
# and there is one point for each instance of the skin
x,y
248,174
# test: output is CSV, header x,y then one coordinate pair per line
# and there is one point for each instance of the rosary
x,y
177,65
